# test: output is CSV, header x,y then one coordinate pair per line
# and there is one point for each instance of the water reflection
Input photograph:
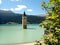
x,y
29,28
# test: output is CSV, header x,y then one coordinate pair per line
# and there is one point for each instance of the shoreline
x,y
26,43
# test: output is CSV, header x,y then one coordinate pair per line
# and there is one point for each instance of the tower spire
x,y
24,13
24,21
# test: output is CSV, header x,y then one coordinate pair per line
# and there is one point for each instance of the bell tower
x,y
24,21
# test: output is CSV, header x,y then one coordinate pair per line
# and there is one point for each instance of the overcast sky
x,y
31,7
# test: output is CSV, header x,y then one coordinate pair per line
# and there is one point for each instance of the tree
x,y
52,22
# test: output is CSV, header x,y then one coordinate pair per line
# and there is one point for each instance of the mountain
x,y
9,16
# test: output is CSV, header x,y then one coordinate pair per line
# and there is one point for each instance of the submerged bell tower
x,y
24,21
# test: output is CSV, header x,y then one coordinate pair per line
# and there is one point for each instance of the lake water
x,y
13,33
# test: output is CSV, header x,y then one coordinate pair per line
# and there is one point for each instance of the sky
x,y
31,7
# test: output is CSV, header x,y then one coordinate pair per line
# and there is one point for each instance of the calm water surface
x,y
13,33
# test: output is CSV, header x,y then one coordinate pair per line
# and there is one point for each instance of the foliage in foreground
x,y
52,22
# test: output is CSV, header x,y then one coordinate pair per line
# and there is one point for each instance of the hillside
x,y
9,16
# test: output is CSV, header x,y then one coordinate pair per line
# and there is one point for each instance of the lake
x,y
13,33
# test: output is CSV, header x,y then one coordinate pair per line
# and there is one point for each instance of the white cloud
x,y
14,0
29,10
20,7
12,9
17,0
5,9
11,0
8,9
0,1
